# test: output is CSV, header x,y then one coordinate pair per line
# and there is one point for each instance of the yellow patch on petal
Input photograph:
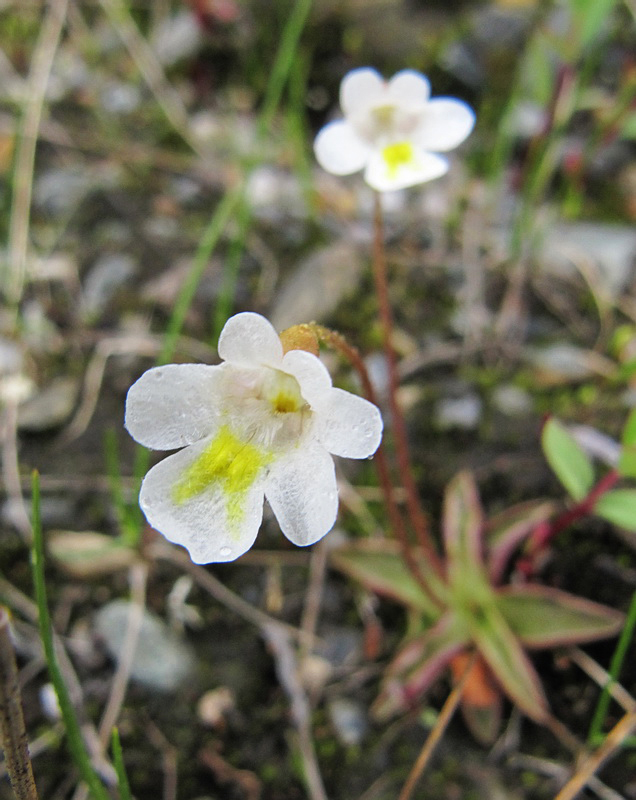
x,y
283,393
397,155
229,462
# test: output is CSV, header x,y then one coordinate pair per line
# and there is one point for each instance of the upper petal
x,y
250,340
360,89
348,425
302,491
210,524
312,375
445,123
339,149
174,405
421,167
409,87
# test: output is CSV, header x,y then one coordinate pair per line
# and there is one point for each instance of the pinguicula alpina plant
x,y
392,129
263,423
470,610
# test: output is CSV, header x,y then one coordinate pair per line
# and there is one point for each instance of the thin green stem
x,y
76,743
128,523
225,302
616,665
120,768
208,242
283,63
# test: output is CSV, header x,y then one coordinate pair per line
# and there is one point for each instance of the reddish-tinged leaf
x,y
504,655
380,567
545,617
567,458
417,666
506,531
462,527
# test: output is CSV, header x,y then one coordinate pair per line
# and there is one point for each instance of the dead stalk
x,y
12,728
614,739
42,62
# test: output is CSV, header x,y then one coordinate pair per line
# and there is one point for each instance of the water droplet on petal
x,y
225,551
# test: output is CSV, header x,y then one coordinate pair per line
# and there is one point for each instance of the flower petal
x,y
348,425
409,88
445,123
360,89
174,405
201,523
249,339
422,167
302,491
312,375
339,149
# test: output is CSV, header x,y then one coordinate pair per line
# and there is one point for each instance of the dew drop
x,y
225,551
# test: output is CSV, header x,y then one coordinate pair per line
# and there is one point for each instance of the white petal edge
x,y
348,425
200,523
425,167
302,491
312,376
409,88
360,89
339,149
248,339
174,405
445,123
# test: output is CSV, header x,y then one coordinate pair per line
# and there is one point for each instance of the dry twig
x,y
42,62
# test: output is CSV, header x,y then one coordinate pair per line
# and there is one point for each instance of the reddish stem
x,y
339,343
546,532
416,513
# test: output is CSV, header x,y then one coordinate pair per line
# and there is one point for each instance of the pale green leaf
x,y
545,617
589,17
380,567
503,653
462,525
619,507
568,460
627,459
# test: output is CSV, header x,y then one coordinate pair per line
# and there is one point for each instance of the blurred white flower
x,y
392,130
263,423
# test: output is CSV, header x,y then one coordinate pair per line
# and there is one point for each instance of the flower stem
x,y
340,344
416,513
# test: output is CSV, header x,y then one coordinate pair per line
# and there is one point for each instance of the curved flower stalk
x,y
392,129
264,423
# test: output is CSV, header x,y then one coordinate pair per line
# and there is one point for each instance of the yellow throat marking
x,y
397,155
227,461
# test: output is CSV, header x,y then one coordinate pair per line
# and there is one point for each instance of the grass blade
x,y
75,742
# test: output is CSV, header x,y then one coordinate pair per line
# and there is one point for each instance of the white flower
x,y
262,423
392,129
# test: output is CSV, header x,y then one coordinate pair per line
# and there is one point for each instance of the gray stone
x,y
50,407
162,660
